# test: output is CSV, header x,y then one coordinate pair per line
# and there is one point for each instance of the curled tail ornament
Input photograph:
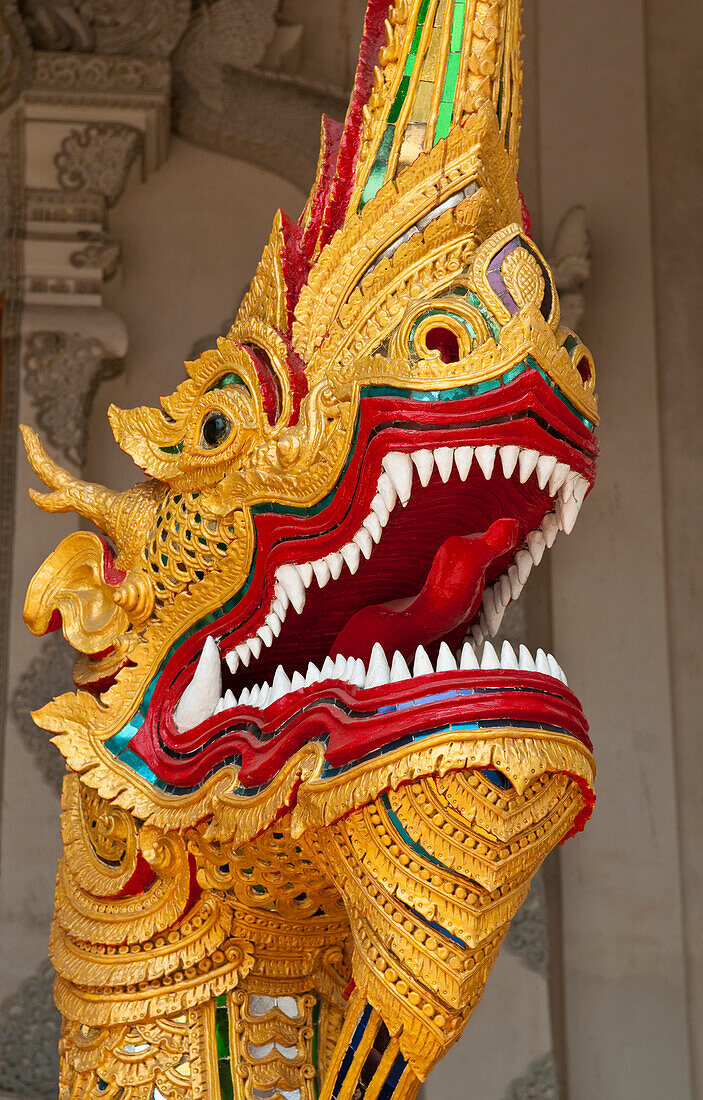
x,y
305,792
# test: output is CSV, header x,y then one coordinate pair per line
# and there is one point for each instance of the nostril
x,y
445,342
584,368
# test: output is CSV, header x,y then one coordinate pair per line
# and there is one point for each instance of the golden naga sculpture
x,y
305,795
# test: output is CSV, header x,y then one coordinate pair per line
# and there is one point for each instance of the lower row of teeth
x,y
380,671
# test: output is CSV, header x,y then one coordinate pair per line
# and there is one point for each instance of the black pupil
x,y
215,429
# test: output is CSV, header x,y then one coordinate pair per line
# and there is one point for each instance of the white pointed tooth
x,y
507,656
549,527
279,608
274,623
378,672
387,492
478,633
463,457
528,460
264,696
340,667
469,659
255,647
536,544
559,475
526,660
245,697
230,700
486,458
335,564
305,570
424,464
422,665
493,614
569,514
266,634
489,658
280,685
297,681
380,509
349,668
505,593
399,668
358,676
364,541
352,556
508,458
446,661
567,489
444,457
293,585
220,706
580,490
373,525
554,667
541,663
327,670
545,469
232,660
399,468
281,595
243,652
482,622
516,585
523,561
312,676
254,697
202,695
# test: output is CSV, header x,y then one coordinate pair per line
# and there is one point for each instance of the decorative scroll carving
x,y
113,76
143,28
570,259
62,371
49,674
98,158
30,1028
528,936
99,251
539,1083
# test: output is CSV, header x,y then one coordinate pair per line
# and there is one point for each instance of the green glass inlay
x,y
175,450
399,100
451,77
226,380
444,120
457,26
222,1031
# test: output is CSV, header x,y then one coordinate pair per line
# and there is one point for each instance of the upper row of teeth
x,y
201,701
395,484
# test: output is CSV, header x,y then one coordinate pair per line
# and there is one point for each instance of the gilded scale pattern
x,y
326,933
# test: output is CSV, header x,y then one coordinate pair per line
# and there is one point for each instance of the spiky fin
x,y
439,62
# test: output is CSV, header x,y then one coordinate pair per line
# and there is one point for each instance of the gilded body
x,y
290,881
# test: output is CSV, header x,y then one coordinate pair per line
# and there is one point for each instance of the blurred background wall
x,y
144,148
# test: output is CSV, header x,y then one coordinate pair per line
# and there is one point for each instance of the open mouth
x,y
449,540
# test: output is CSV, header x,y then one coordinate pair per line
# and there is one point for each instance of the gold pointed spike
x,y
443,60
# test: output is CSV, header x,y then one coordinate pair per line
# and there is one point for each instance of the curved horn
x,y
69,494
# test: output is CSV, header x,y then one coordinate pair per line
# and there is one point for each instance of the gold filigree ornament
x,y
296,823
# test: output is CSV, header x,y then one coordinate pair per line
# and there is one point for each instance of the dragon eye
x,y
215,429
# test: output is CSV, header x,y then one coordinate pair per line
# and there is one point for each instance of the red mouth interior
x,y
423,582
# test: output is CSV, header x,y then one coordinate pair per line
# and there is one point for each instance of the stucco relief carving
x,y
99,251
570,259
50,671
15,54
528,936
112,76
144,28
30,1028
539,1083
62,373
98,158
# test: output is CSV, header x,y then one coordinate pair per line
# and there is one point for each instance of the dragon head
x,y
293,613
343,496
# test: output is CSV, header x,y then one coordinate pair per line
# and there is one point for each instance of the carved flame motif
x,y
305,794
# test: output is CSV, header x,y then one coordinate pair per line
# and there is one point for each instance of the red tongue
x,y
450,597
